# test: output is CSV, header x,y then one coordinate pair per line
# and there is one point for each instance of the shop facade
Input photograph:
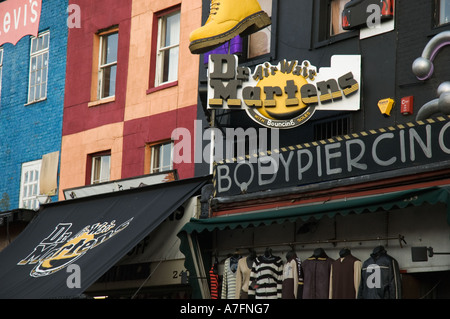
x,y
370,177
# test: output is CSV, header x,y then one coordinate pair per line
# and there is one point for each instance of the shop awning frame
x,y
345,206
93,233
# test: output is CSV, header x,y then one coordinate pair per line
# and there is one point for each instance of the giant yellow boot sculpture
x,y
227,19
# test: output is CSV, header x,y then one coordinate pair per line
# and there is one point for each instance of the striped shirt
x,y
229,278
266,278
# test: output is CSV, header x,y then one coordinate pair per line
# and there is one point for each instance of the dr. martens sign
x,y
286,95
19,18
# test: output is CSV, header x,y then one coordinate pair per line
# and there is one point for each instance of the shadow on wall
x,y
4,202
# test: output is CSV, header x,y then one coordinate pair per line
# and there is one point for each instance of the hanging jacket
x,y
266,278
316,277
380,277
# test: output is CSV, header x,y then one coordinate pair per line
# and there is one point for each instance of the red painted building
x,y
125,92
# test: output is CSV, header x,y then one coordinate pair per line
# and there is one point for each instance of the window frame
x,y
155,85
321,31
271,39
271,55
26,168
90,168
102,66
437,15
330,19
150,156
36,55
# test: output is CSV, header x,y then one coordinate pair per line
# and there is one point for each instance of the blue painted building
x,y
31,109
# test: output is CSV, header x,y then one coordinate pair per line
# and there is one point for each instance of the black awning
x,y
77,241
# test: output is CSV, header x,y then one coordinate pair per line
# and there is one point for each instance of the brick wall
x,y
30,131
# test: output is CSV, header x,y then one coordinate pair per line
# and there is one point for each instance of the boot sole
x,y
249,25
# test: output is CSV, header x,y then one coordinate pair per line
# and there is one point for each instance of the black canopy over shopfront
x,y
70,244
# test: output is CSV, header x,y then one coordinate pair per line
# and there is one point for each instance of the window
x,y
107,67
29,185
100,171
167,48
37,89
259,42
443,11
336,8
161,157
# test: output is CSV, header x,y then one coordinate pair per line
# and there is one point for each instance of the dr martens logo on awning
x,y
62,248
286,95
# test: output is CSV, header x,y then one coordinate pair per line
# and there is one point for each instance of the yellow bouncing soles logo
x,y
282,108
61,249
282,96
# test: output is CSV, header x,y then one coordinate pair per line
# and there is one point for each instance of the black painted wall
x,y
386,62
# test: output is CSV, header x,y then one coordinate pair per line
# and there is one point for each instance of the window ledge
x,y
36,101
102,101
336,38
162,87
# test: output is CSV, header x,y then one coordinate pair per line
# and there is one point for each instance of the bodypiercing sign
x,y
286,95
19,18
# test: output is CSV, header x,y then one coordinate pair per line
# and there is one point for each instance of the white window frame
x,y
43,71
103,66
29,200
160,167
161,50
105,169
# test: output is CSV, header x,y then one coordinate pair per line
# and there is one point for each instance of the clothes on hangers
x,y
266,277
345,276
229,277
380,277
316,271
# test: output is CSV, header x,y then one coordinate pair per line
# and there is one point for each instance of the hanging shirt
x,y
242,277
290,280
214,282
229,278
266,278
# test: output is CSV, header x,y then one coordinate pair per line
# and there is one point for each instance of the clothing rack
x,y
400,238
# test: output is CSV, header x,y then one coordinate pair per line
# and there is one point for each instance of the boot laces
x,y
214,7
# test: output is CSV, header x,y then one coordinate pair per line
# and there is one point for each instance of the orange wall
x,y
76,148
139,104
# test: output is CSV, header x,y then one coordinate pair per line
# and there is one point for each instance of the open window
x,y
98,168
159,157
165,49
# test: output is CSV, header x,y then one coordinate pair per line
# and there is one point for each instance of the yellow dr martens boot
x,y
227,19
